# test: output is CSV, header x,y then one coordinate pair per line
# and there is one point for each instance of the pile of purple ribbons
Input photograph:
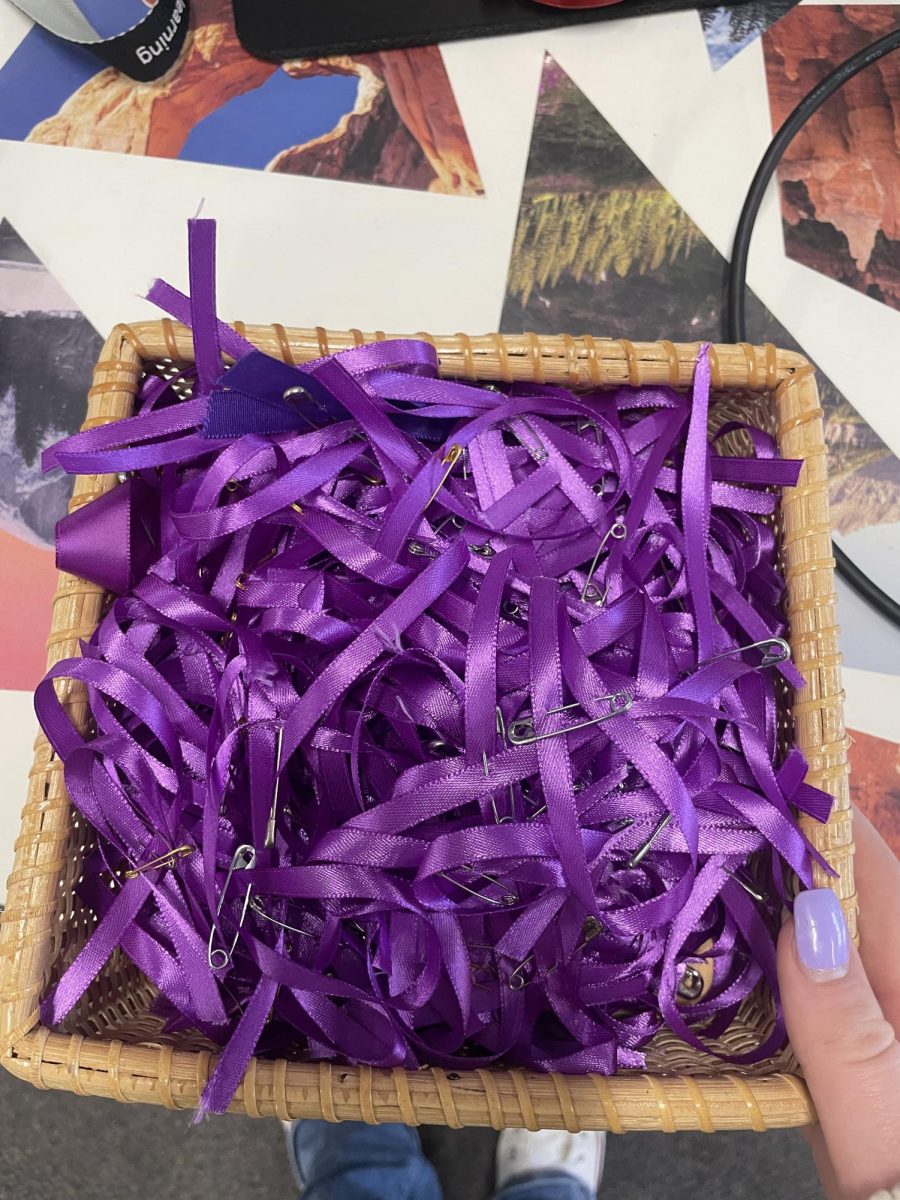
x,y
431,722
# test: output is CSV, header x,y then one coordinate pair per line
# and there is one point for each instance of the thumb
x,y
848,1050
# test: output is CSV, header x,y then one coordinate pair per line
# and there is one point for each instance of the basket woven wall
x,y
113,1047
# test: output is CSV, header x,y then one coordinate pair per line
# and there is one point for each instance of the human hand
x,y
843,1016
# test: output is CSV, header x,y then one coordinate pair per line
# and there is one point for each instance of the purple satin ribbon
x,y
117,534
426,726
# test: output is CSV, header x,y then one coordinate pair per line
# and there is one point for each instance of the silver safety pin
x,y
449,519
641,851
538,452
775,650
298,394
583,425
617,530
591,928
439,748
273,811
414,546
514,608
150,538
539,812
522,731
750,888
257,905
508,896
510,790
243,859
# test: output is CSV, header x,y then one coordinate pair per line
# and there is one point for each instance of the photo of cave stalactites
x,y
840,176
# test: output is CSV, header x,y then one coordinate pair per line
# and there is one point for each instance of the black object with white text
x,y
144,50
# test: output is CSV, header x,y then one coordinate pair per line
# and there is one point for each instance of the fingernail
x,y
820,930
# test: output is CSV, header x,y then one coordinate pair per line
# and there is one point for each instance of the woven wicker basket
x,y
113,1047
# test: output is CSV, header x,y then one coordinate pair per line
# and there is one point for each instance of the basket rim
x,y
543,357
174,1076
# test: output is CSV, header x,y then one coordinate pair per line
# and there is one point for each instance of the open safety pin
x,y
243,859
522,732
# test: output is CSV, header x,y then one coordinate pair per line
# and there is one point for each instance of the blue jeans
x,y
352,1161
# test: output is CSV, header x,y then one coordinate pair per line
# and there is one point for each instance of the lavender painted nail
x,y
823,943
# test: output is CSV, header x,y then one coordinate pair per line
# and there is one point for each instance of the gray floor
x,y
57,1146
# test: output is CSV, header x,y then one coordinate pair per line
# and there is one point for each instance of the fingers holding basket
x,y
842,1009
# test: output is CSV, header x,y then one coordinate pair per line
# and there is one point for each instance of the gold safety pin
x,y
451,458
163,860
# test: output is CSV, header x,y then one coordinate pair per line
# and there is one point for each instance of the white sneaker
x,y
520,1152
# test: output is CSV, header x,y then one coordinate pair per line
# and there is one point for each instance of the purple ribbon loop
x,y
114,540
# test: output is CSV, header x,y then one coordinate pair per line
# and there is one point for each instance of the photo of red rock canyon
x,y
381,118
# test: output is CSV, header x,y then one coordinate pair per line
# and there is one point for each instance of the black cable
x,y
736,282
735,319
